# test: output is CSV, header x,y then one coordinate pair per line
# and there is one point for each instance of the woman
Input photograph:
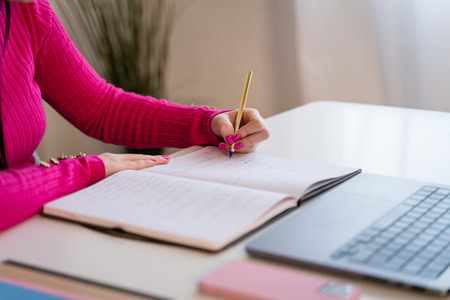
x,y
40,61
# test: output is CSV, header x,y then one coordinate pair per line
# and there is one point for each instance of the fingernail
x,y
229,139
238,146
236,137
166,157
222,146
153,160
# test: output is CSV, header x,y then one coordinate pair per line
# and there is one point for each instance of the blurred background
x,y
375,51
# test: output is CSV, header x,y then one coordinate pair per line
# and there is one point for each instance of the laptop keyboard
x,y
413,238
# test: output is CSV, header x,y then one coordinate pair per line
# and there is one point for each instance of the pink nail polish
x,y
222,147
238,146
153,160
236,137
229,139
166,157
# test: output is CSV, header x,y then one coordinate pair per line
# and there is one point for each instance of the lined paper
x,y
253,170
178,206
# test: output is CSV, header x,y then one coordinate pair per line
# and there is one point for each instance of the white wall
x,y
380,52
433,53
375,51
337,51
214,44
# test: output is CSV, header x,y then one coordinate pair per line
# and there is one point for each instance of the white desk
x,y
407,143
391,141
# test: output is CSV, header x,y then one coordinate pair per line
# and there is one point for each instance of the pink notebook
x,y
255,281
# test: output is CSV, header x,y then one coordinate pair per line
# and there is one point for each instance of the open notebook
x,y
203,199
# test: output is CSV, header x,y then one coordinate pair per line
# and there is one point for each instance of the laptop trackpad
x,y
342,212
322,225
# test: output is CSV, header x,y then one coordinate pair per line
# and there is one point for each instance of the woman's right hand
x,y
119,162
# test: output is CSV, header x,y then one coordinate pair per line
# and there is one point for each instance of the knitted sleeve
x,y
24,191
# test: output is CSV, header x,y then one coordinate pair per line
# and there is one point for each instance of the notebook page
x,y
253,170
172,205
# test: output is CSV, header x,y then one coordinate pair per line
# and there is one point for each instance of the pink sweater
x,y
42,62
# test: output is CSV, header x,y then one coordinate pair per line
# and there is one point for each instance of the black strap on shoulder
x,y
7,16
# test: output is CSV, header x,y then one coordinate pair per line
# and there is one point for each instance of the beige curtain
x,y
377,51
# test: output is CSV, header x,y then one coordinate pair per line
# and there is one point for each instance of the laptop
x,y
377,226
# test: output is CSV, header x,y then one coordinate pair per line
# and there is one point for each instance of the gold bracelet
x,y
55,161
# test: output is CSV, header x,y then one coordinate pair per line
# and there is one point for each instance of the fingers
x,y
251,142
248,144
248,137
159,159
222,126
119,162
253,130
226,130
137,164
141,161
132,157
253,123
162,159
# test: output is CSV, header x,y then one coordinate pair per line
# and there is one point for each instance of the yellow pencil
x,y
242,106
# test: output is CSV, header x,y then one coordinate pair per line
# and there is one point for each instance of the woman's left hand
x,y
252,131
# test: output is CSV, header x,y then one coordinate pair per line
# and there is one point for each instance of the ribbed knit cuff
x,y
97,168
